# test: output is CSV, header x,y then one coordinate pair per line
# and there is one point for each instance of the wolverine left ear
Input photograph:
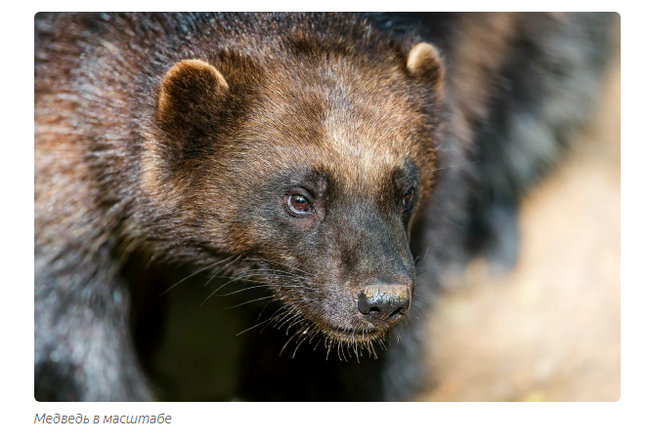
x,y
190,93
424,61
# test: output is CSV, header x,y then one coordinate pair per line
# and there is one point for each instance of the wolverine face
x,y
315,183
346,247
333,180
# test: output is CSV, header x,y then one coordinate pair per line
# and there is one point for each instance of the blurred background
x,y
550,329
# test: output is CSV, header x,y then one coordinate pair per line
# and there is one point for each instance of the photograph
x,y
326,207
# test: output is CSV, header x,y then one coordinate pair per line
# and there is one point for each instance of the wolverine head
x,y
307,161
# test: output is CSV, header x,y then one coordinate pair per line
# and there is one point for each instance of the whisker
x,y
419,260
290,322
294,323
222,269
278,314
417,308
355,345
231,293
371,350
251,301
304,337
225,284
453,166
246,277
254,326
207,267
263,309
283,273
339,350
251,279
283,318
285,345
270,261
314,333
275,272
407,323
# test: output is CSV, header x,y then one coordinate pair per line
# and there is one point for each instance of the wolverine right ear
x,y
190,94
424,61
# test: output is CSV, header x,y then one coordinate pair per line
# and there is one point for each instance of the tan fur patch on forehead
x,y
362,162
359,119
369,139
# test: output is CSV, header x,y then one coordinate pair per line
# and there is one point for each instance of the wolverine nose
x,y
384,301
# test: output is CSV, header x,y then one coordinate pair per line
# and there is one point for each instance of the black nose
x,y
384,301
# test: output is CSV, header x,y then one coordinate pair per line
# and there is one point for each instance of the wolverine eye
x,y
298,204
408,197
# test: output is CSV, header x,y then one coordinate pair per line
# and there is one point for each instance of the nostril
x,y
395,312
384,302
363,305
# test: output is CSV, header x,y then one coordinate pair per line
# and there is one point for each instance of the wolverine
x,y
319,155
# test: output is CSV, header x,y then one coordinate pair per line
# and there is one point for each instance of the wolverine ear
x,y
190,94
424,61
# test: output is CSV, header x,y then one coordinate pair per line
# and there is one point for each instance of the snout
x,y
383,304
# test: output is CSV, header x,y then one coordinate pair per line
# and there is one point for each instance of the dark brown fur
x,y
181,138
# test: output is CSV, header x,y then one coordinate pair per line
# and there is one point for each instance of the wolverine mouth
x,y
338,331
351,343
346,342
353,335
